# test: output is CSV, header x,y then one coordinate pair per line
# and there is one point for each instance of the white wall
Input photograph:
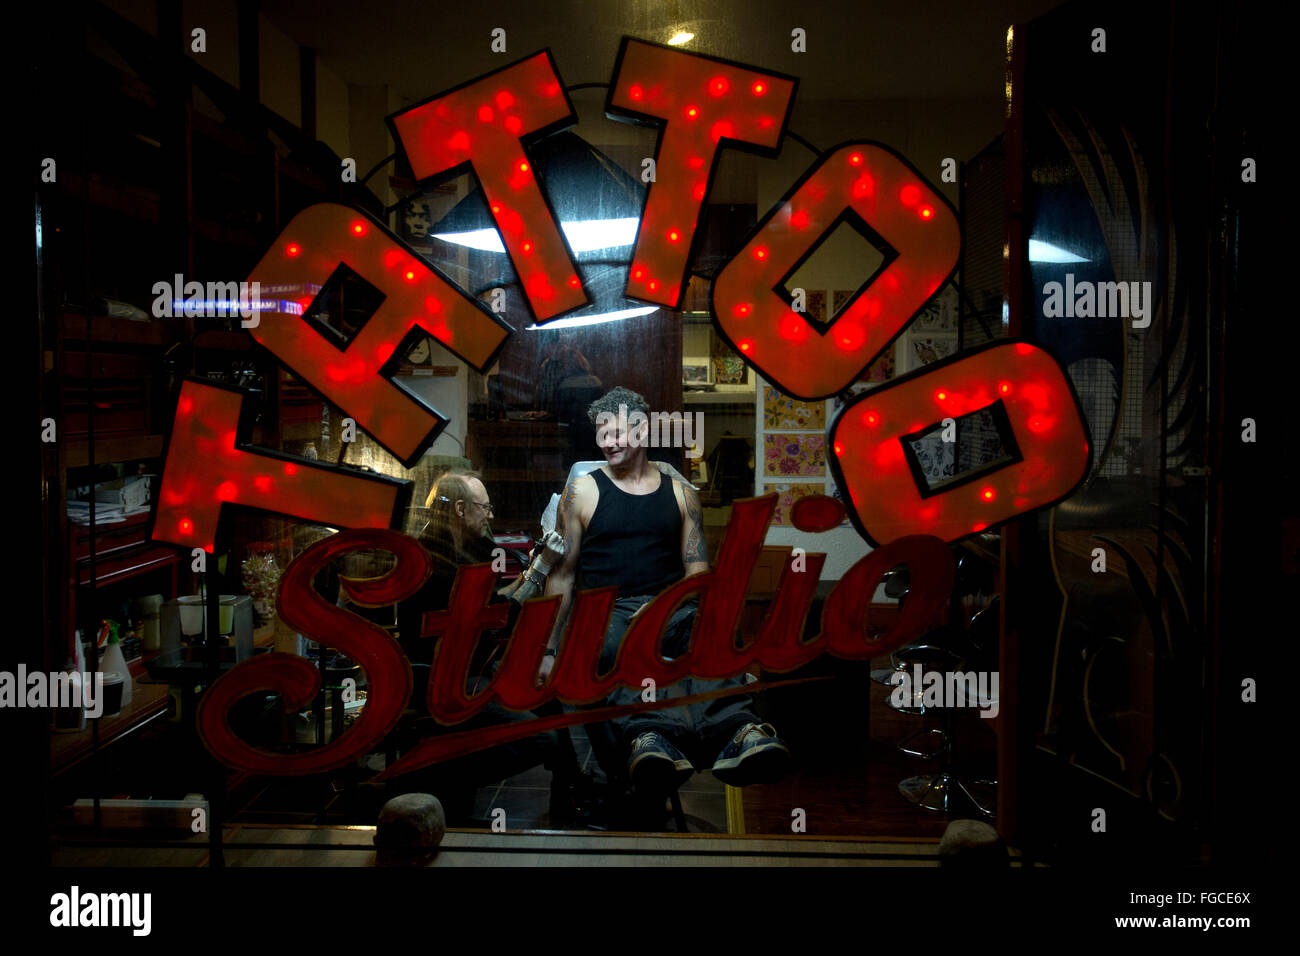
x,y
450,396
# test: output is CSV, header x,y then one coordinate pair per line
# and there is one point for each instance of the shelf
x,y
115,449
111,570
225,136
224,340
220,232
118,536
133,201
300,431
103,328
719,398
147,701
533,476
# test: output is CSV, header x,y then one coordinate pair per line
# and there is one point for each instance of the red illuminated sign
x,y
483,125
416,297
386,667
1048,456
778,646
703,104
209,465
889,196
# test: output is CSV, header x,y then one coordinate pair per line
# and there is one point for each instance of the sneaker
x,y
656,766
755,755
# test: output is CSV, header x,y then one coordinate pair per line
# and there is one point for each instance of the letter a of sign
x,y
700,102
887,200
481,124
1043,434
318,242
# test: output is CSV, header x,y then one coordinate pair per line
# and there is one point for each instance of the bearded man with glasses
x,y
459,532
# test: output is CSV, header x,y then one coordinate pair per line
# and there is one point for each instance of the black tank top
x,y
633,541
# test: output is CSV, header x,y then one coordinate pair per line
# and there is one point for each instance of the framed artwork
x,y
940,315
787,495
927,349
882,369
782,412
728,367
800,454
816,306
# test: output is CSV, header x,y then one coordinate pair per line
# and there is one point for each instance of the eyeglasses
x,y
485,505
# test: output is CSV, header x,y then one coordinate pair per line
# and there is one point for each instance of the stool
x,y
929,657
938,792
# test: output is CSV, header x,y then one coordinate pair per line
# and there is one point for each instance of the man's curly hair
x,y
608,404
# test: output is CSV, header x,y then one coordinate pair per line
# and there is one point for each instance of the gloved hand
x,y
530,584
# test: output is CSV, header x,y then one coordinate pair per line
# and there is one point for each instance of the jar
x,y
261,576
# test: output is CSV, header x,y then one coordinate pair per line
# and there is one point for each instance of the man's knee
x,y
677,632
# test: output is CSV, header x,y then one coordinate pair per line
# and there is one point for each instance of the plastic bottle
x,y
114,662
79,665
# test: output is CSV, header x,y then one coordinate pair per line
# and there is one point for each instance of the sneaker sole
x,y
652,773
761,764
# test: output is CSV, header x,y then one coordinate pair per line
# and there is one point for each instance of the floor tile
x,y
705,812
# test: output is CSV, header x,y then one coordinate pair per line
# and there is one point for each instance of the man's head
x,y
621,417
461,508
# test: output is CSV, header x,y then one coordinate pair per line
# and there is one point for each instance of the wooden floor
x,y
253,846
849,787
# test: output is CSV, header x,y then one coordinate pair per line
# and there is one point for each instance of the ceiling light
x,y
584,235
578,320
1040,251
680,38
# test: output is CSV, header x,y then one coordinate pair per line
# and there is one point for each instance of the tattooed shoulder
x,y
570,493
570,505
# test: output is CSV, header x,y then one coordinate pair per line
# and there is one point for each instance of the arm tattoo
x,y
566,509
695,547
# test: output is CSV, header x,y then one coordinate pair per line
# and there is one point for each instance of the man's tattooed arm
x,y
695,553
562,577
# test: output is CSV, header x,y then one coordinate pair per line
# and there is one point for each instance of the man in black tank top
x,y
632,526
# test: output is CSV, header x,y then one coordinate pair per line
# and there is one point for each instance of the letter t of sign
x,y
482,125
700,102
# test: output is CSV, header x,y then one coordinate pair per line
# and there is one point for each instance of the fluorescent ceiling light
x,y
577,320
680,38
486,239
584,235
1046,252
